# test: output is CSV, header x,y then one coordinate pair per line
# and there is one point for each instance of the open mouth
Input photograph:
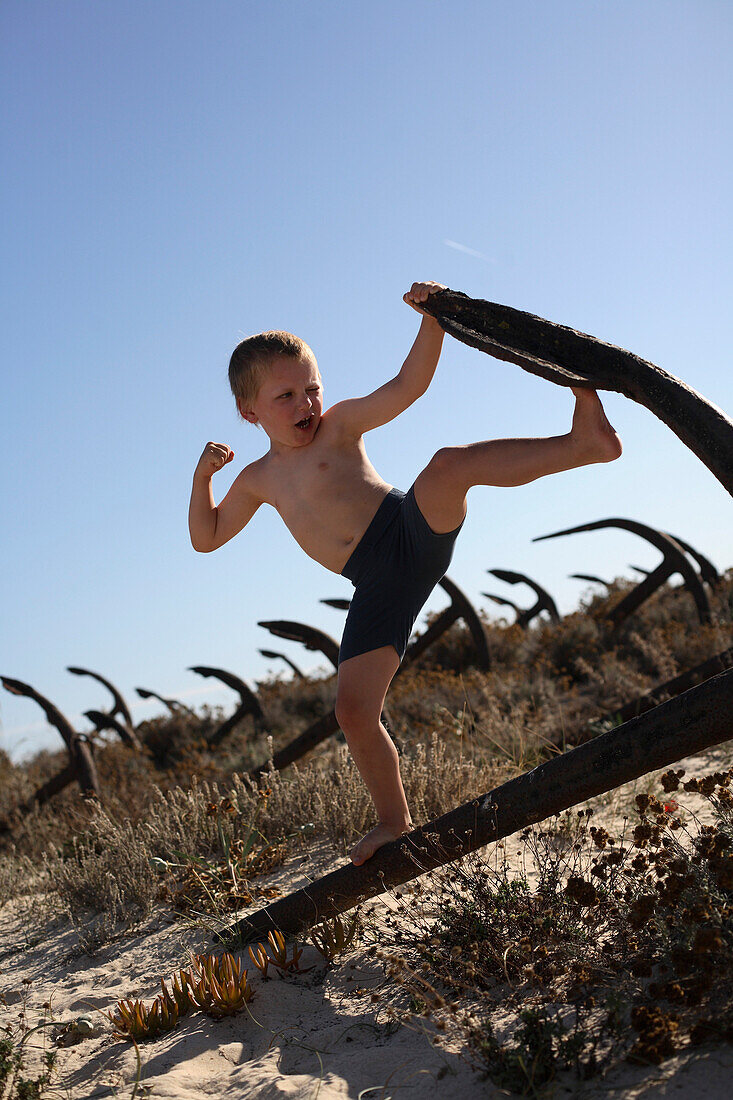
x,y
305,422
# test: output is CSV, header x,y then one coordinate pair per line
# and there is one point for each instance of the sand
x,y
315,1035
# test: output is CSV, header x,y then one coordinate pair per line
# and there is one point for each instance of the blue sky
x,y
178,175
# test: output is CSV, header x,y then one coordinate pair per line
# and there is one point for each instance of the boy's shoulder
x,y
251,479
337,420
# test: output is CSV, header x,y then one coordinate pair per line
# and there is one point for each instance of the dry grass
x,y
594,947
461,730
591,948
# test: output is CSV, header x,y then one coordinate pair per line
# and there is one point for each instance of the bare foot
x,y
369,844
595,438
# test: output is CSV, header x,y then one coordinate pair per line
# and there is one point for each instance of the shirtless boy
x,y
393,546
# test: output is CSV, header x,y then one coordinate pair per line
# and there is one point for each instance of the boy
x,y
393,546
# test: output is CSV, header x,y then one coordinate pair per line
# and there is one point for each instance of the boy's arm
x,y
361,414
211,526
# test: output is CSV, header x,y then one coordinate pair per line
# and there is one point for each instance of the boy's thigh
x,y
440,491
363,681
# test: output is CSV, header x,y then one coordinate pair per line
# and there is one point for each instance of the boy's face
x,y
289,402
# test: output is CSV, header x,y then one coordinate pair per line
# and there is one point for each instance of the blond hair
x,y
250,360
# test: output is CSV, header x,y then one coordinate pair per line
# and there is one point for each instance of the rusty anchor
x,y
673,561
571,358
687,724
544,602
249,703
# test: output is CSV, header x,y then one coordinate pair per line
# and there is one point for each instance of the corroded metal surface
x,y
120,706
590,577
272,655
544,601
81,765
719,663
173,704
571,358
504,602
249,703
315,733
673,561
308,636
708,572
52,786
104,721
215,738
701,717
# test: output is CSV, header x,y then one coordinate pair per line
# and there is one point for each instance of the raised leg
x,y
440,490
362,686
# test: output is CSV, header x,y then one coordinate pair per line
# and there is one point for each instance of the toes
x,y
358,855
363,851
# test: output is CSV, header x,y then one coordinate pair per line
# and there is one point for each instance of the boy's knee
x,y
444,462
350,711
442,459
344,710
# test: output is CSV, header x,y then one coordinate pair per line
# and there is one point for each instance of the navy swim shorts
x,y
394,568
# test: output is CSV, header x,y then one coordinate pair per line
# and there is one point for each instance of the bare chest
x,y
325,498
319,483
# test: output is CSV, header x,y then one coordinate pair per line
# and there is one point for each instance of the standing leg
x,y
362,687
440,490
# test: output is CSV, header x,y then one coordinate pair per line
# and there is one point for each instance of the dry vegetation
x,y
592,947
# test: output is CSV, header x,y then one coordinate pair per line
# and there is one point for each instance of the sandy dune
x,y
314,1035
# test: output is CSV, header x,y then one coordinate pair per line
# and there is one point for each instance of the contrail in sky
x,y
469,251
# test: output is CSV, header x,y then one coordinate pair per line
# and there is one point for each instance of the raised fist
x,y
214,456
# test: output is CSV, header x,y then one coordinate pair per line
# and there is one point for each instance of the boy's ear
x,y
247,414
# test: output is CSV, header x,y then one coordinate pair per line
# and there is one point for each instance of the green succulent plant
x,y
279,953
134,1020
331,937
181,998
260,958
221,987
